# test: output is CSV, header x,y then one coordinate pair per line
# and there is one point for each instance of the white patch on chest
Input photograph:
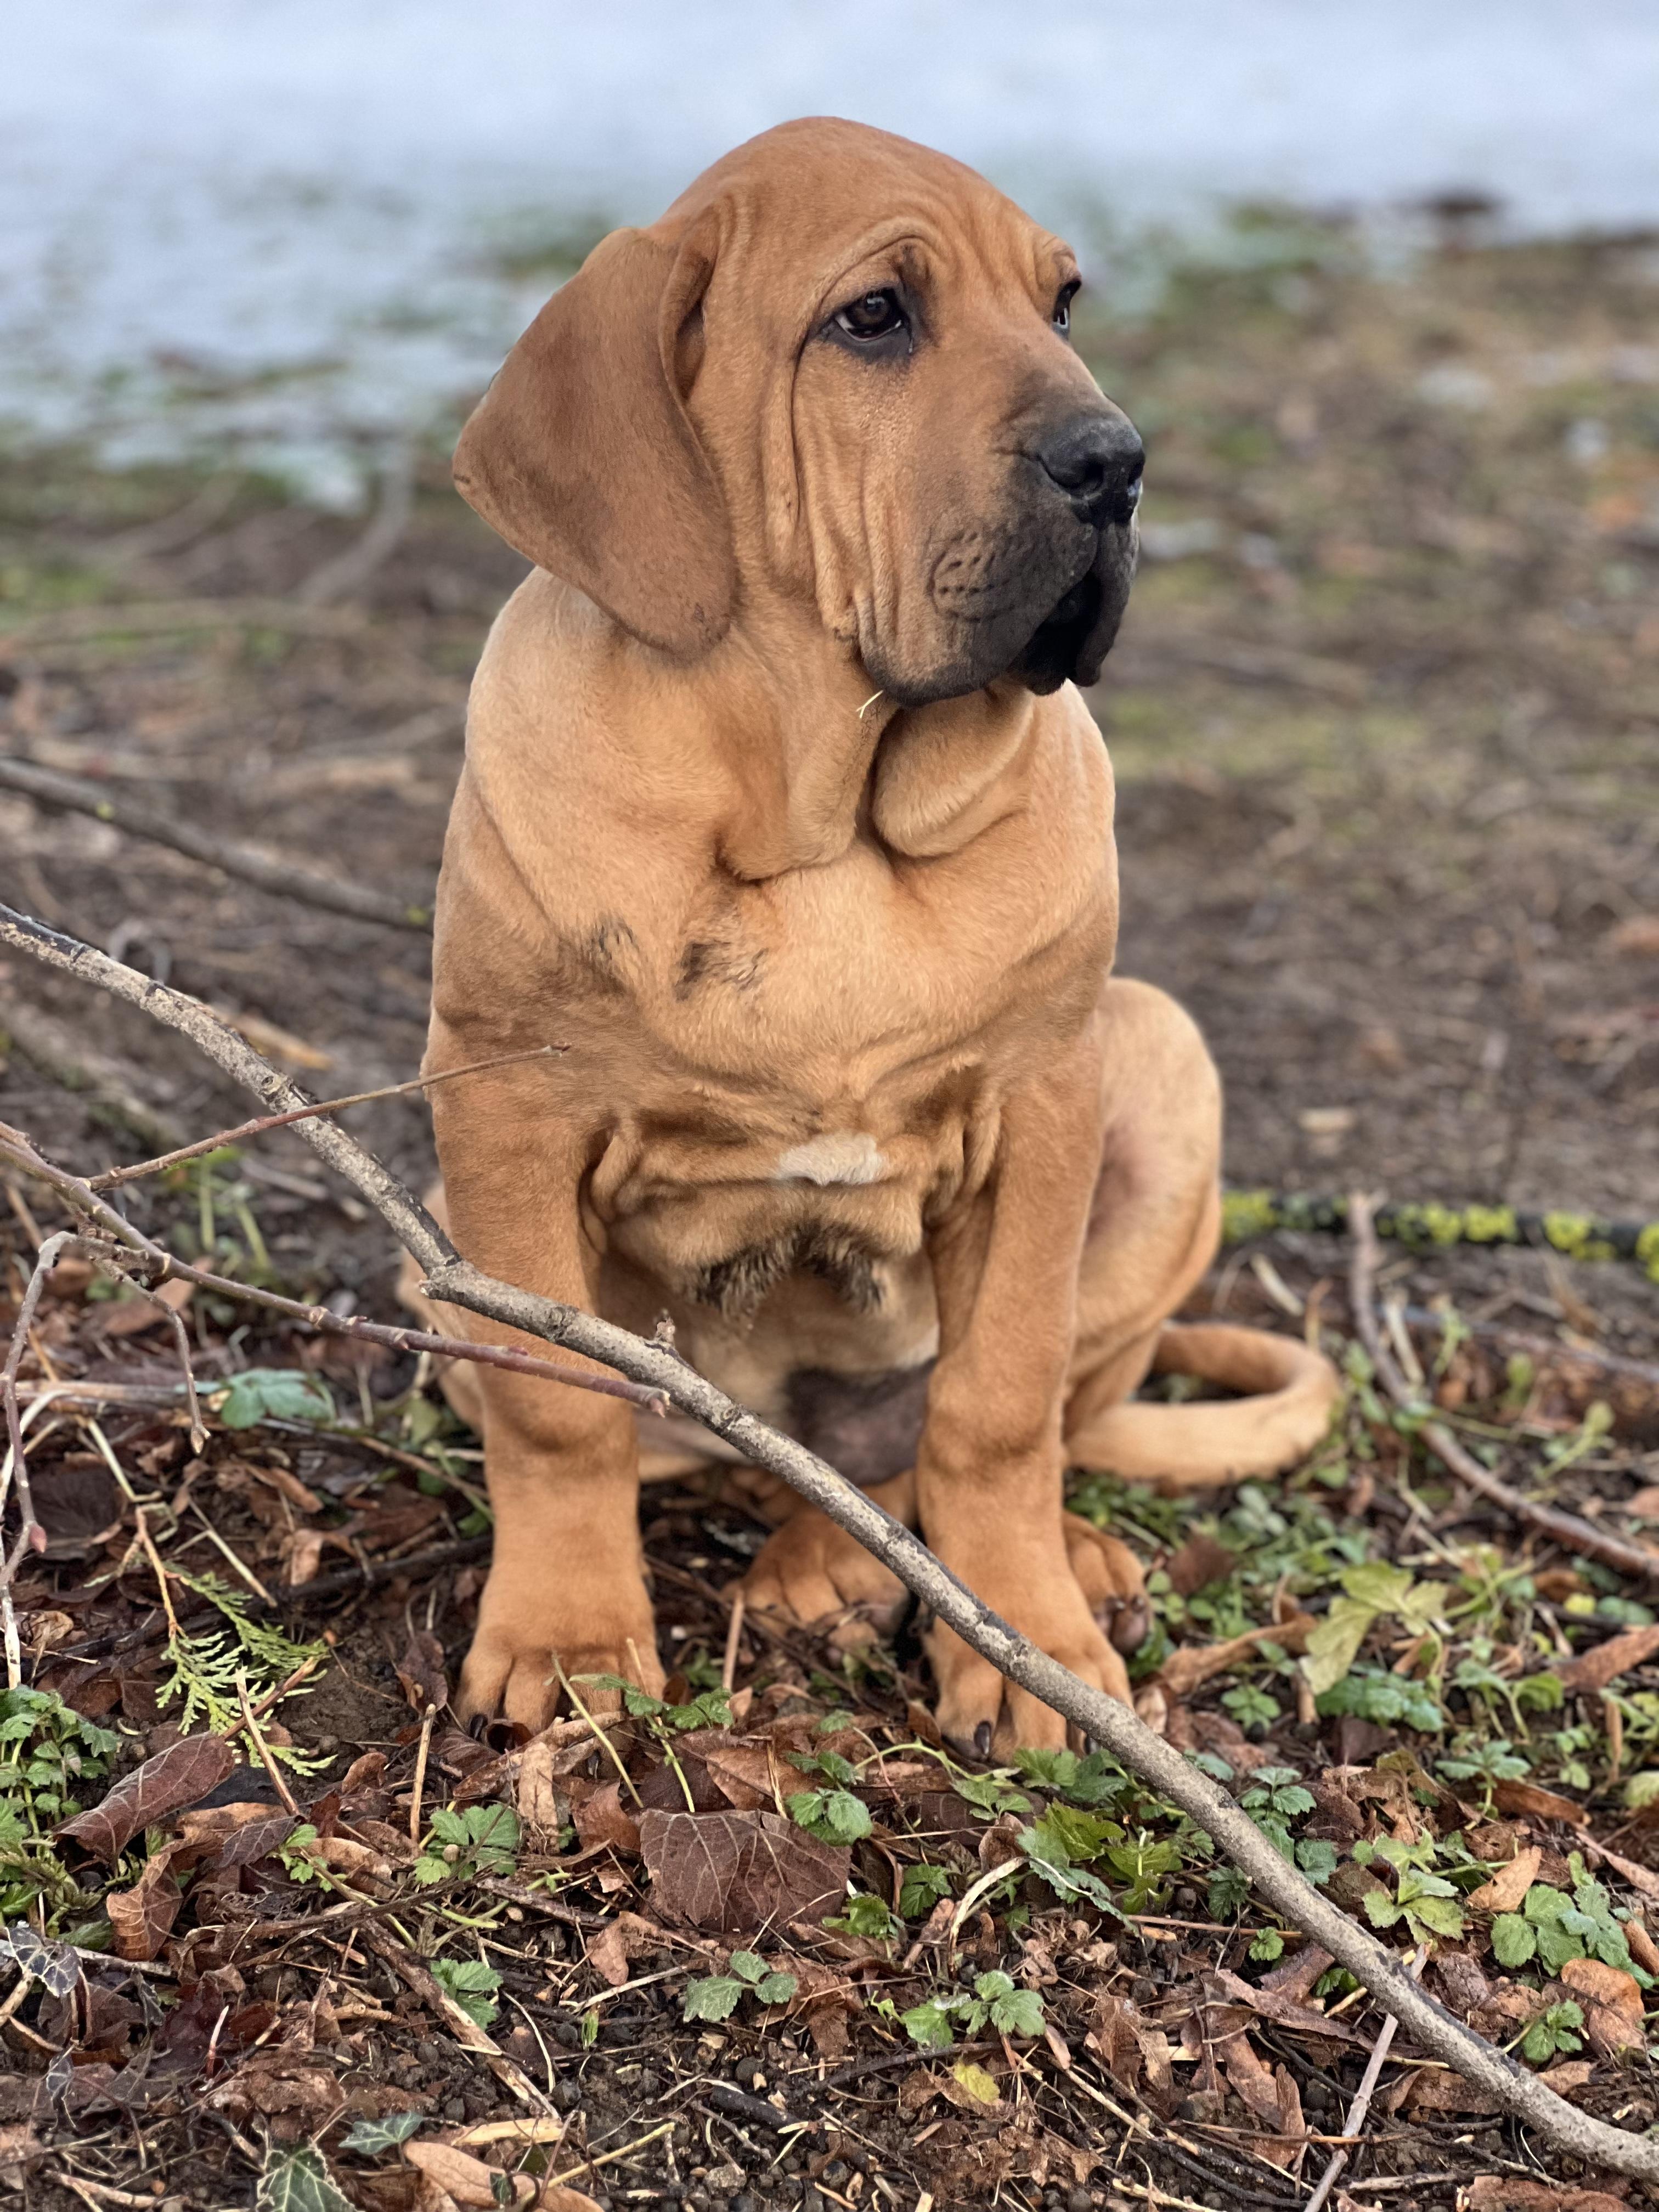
x,y
849,1156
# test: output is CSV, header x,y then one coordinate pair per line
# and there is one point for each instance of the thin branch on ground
x,y
165,1267
14,1475
112,1178
1362,2102
453,1280
465,2030
1564,1528
283,878
345,573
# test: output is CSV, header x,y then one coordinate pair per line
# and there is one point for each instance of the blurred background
x,y
1378,279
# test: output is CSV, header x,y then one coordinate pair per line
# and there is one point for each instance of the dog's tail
x,y
1288,1393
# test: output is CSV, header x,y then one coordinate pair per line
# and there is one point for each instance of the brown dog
x,y
781,813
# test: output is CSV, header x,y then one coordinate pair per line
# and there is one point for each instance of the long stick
x,y
455,1281
282,877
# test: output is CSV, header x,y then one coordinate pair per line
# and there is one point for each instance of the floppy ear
x,y
581,455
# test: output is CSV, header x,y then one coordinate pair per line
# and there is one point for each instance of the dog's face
x,y
839,368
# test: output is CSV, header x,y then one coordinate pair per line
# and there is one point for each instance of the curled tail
x,y
1288,1395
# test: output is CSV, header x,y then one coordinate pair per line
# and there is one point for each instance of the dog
x,y
782,812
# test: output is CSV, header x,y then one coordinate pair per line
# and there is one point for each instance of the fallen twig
x,y
15,1148
461,2024
453,1280
14,1475
1564,1528
1362,2102
282,877
113,1177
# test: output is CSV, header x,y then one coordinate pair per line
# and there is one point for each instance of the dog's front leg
x,y
990,1469
566,1588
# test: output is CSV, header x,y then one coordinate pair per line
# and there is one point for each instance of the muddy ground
x,y
1385,720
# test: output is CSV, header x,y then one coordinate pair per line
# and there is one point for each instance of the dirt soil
x,y
1385,720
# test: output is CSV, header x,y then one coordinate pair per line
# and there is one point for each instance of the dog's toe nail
x,y
477,1725
982,1739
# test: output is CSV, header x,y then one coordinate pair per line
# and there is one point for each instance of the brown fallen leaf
x,y
1538,1804
466,2179
143,1917
1636,937
134,1316
557,2198
421,1671
1133,2048
1641,1945
1183,1670
1505,1891
1277,2005
1493,2192
1199,1562
20,2149
1437,2089
739,1873
1271,2096
1612,2002
1594,1670
184,1772
603,1820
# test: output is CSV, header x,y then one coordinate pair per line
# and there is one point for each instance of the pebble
x,y
455,2109
1079,2201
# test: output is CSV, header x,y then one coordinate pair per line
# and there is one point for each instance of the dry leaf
x,y
143,1917
1505,1891
1539,1804
466,2179
603,1822
1636,937
1594,1669
739,1873
520,2132
20,2149
1277,2005
1199,1562
180,1775
133,1316
1612,2002
556,2198
1492,2192
421,1671
1183,1670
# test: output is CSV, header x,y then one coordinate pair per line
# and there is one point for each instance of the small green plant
x,y
1486,1759
472,1985
481,1839
1370,1592
203,1670
1555,1927
864,1915
1370,1694
710,1708
996,1998
1229,1892
46,1749
1552,2031
1426,1901
716,1996
923,1888
1252,1706
1093,1779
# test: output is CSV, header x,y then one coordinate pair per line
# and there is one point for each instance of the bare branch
x,y
131,1254
113,1177
1564,1528
249,866
453,1280
16,1473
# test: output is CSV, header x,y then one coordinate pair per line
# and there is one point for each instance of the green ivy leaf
x,y
368,2136
299,2181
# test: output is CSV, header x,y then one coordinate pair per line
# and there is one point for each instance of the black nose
x,y
1096,461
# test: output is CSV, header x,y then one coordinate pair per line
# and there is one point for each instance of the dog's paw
x,y
523,1643
812,1574
1111,1577
979,1709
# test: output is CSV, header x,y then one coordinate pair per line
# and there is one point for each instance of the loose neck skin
x,y
814,754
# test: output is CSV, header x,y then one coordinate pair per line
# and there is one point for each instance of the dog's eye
x,y
1062,318
873,317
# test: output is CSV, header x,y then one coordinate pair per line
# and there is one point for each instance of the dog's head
x,y
839,368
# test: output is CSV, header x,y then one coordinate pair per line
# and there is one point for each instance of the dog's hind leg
x,y
1152,1231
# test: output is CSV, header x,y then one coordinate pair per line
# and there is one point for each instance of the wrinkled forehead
x,y
803,206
